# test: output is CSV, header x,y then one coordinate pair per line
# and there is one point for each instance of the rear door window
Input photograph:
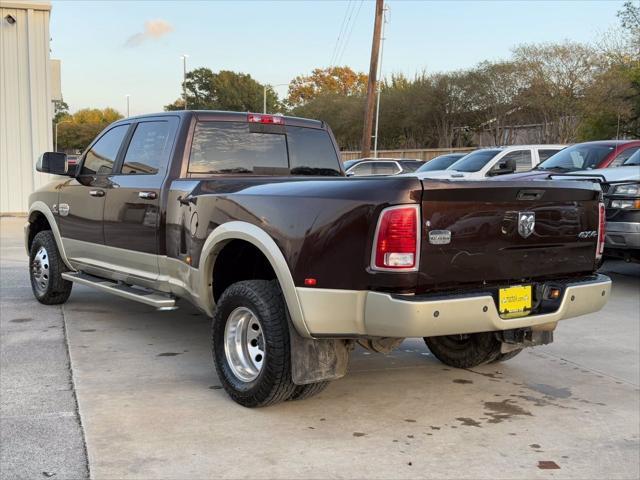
x,y
231,148
102,155
148,149
311,152
385,168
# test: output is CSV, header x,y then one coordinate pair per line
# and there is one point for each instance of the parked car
x,y
490,162
621,190
441,162
249,217
591,155
369,167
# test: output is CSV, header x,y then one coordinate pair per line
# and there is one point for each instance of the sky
x,y
110,49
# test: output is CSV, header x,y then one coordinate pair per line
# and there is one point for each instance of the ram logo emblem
x,y
526,223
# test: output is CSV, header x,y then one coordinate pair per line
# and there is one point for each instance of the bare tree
x,y
557,76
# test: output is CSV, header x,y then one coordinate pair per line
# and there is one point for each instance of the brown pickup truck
x,y
251,218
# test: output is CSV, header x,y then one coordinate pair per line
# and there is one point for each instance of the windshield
x,y
474,161
577,157
632,160
440,163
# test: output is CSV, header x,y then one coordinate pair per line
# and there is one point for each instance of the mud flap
x,y
317,360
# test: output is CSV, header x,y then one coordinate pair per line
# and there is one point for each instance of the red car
x,y
590,155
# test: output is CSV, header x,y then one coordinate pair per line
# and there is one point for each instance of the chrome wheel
x,y
244,344
40,270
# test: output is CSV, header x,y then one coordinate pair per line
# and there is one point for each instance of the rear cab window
x,y
247,149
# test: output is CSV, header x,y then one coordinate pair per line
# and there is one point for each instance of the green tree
x,y
60,110
76,131
326,81
345,115
225,90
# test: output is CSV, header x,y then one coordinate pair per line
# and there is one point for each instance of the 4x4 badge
x,y
526,223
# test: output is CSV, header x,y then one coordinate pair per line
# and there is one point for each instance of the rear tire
x,y
45,270
465,351
503,357
250,342
303,392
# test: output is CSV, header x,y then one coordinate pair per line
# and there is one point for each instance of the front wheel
x,y
45,270
250,342
465,351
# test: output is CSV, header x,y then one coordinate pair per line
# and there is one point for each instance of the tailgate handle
x,y
530,194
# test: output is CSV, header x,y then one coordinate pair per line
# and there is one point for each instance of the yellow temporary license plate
x,y
515,301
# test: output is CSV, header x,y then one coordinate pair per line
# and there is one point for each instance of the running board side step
x,y
159,300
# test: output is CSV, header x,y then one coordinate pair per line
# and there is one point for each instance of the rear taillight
x,y
396,241
601,230
264,118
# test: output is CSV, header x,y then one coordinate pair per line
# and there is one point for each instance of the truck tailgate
x,y
488,232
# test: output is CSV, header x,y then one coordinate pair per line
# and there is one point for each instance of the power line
x,y
346,42
342,25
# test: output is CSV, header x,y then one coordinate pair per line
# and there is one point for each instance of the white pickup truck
x,y
490,162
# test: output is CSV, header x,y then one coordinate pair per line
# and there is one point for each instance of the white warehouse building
x,y
27,90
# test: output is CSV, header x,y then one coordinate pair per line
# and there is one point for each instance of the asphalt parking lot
x,y
112,389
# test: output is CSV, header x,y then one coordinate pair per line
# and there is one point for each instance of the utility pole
x,y
384,22
184,79
371,84
127,95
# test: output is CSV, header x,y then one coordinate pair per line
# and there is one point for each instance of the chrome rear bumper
x,y
346,313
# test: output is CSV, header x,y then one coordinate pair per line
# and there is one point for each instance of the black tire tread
x,y
274,384
303,392
59,289
480,348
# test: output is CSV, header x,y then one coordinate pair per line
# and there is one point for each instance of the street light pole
x,y
264,99
184,79
127,95
55,135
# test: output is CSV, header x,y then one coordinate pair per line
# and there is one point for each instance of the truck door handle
x,y
96,193
148,195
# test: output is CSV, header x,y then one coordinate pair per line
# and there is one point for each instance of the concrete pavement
x,y
40,431
151,405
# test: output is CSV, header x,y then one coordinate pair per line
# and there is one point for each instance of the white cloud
x,y
153,30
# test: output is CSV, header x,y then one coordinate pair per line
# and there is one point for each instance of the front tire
x,y
302,392
45,270
465,351
250,343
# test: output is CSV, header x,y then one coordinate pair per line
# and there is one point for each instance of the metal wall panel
x,y
25,102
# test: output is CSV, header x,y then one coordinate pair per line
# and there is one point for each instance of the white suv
x,y
489,162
